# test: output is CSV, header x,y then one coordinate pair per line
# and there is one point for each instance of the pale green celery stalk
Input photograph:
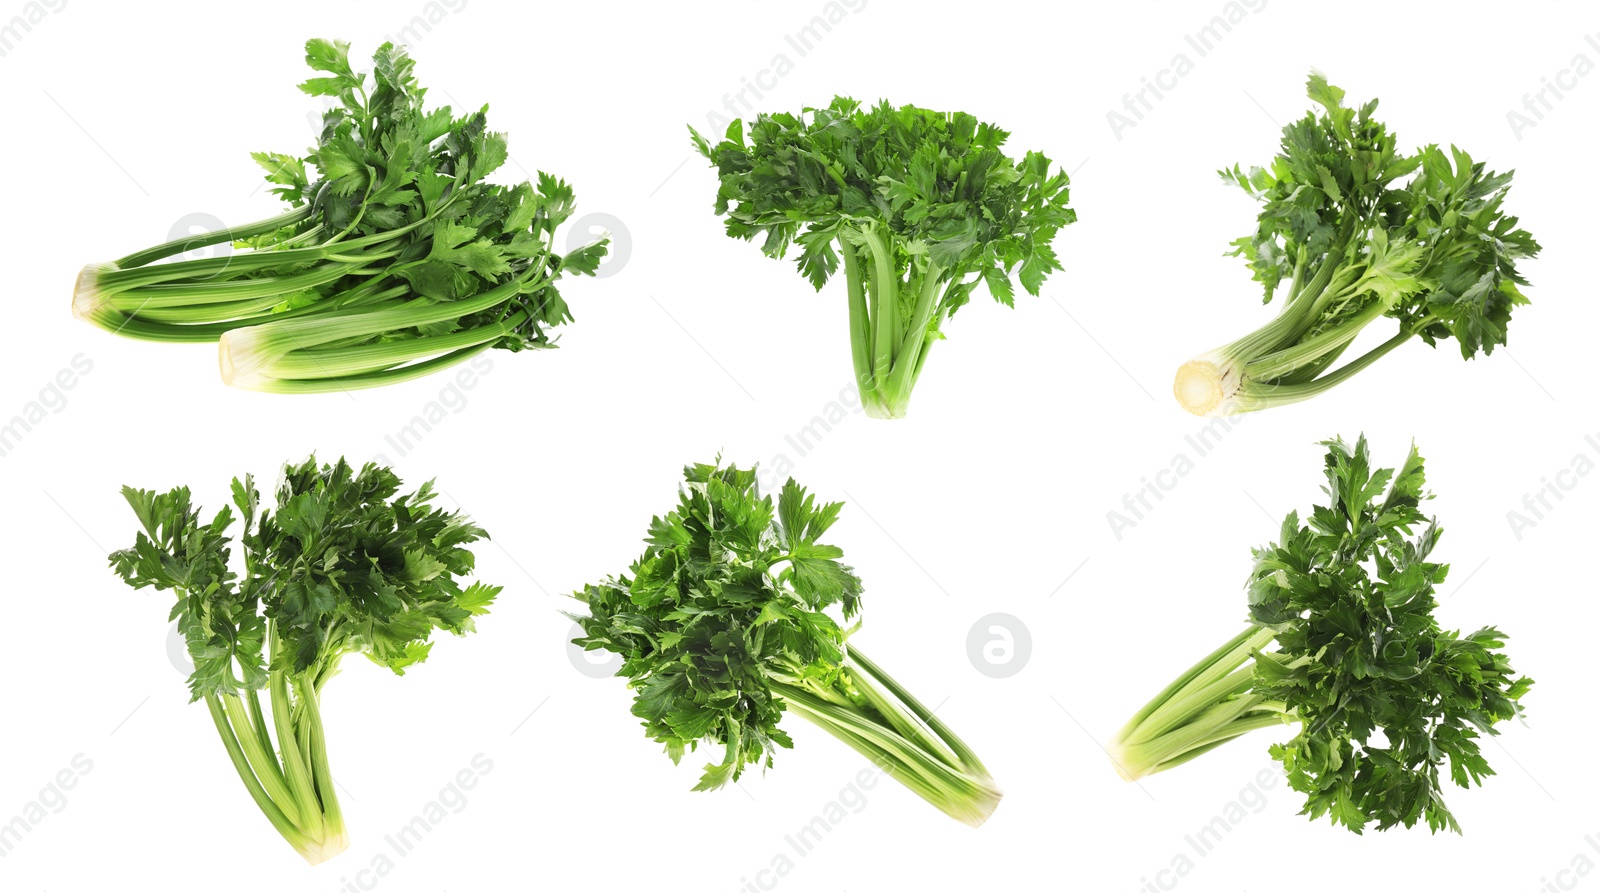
x,y
208,333
217,237
1277,364
282,355
335,837
238,314
202,311
204,293
886,351
869,711
1207,706
302,843
262,341
189,300
338,362
1281,362
138,270
290,784
1254,395
909,359
884,287
296,769
306,815
374,379
113,280
258,750
860,333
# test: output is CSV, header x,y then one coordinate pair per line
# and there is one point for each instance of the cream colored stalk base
x,y
88,303
1205,388
316,854
240,359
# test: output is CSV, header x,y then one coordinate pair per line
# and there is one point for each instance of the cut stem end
x,y
240,360
335,843
1122,769
1201,387
89,303
879,407
977,809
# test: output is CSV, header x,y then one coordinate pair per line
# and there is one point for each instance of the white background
x,y
1029,426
